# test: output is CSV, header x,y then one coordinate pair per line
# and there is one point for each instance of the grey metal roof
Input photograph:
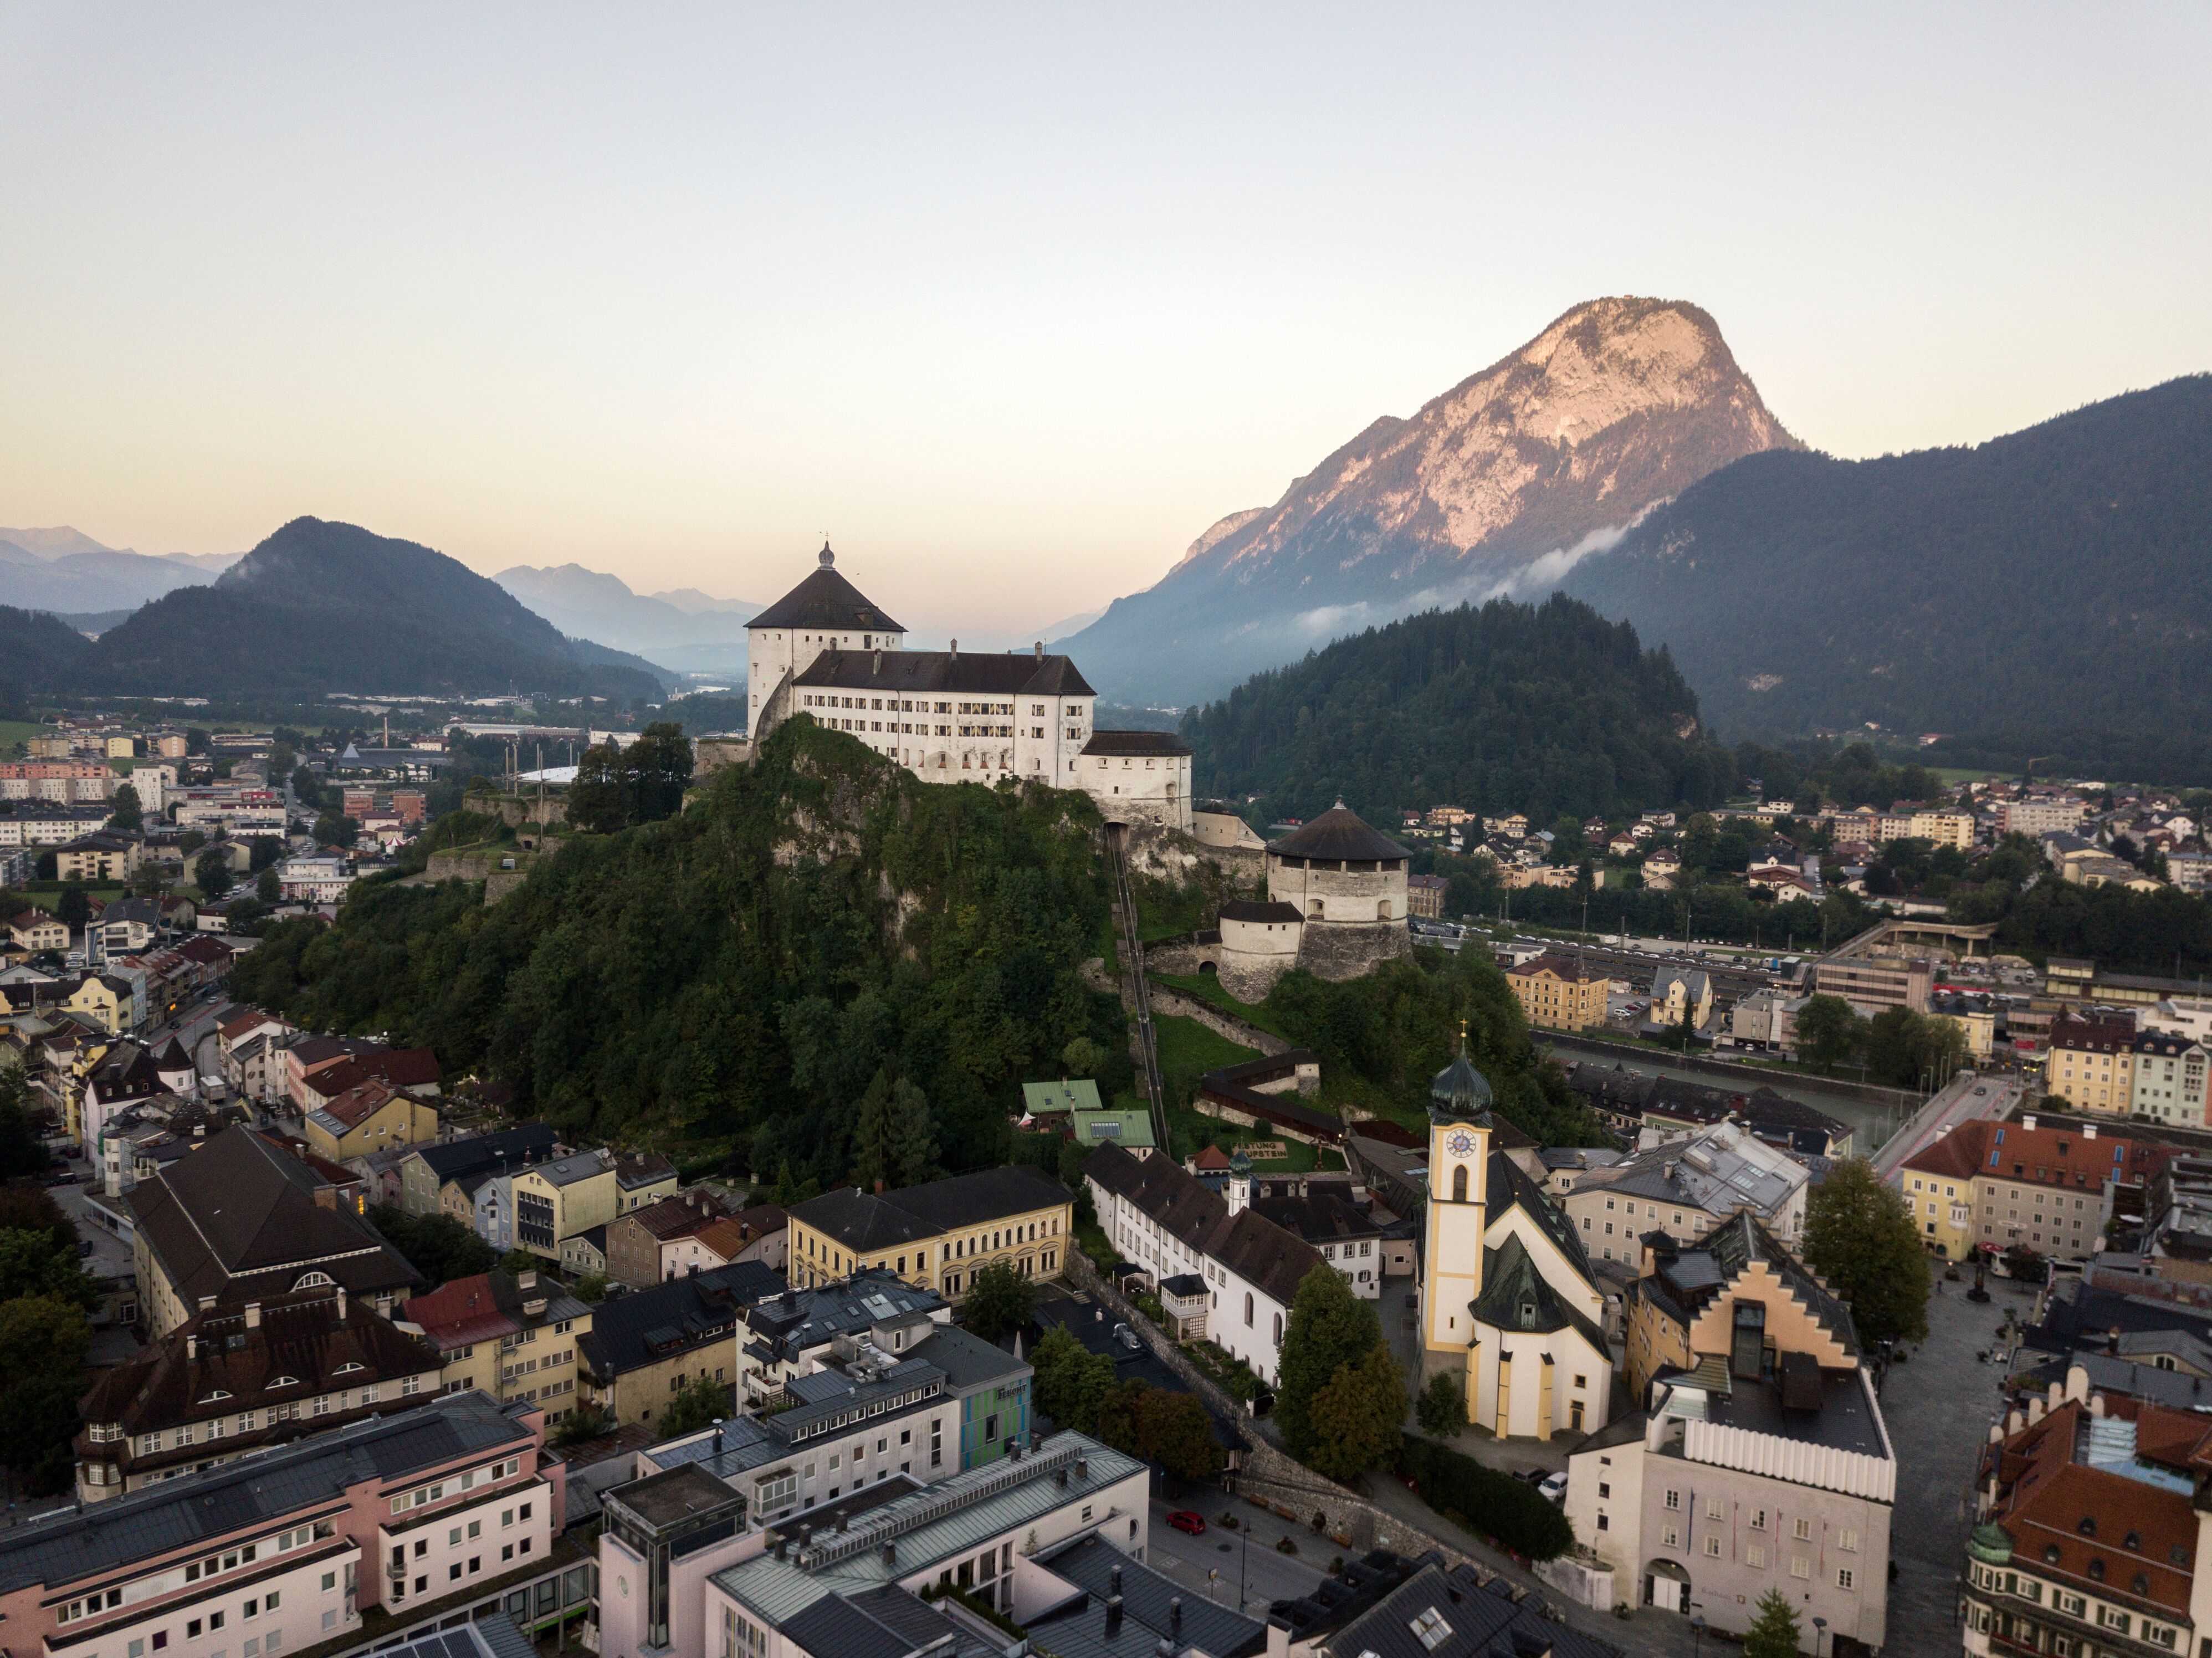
x,y
930,1527
704,1306
72,1545
868,1221
1090,1564
833,1625
493,1635
967,1361
1477,1623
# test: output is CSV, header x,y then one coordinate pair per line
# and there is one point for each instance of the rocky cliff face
x,y
1502,482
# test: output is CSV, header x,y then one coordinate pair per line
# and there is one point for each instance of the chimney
x,y
956,650
879,1188
341,1303
2088,1131
1175,1614
1116,1590
1112,1616
2028,1122
252,1315
779,1545
525,1280
1040,650
191,1346
891,1552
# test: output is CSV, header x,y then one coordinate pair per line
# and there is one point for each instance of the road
x,y
1971,1096
1244,1559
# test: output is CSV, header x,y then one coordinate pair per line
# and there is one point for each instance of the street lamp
x,y
1820,1628
1697,1632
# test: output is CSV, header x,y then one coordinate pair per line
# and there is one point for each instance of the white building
x,y
1223,1272
2170,1074
320,877
826,650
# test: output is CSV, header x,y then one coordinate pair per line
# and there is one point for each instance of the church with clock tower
x,y
1508,1298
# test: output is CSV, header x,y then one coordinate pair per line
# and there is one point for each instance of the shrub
x,y
1515,1513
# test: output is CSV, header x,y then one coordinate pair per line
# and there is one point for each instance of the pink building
x,y
279,1552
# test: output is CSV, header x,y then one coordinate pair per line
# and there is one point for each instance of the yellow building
x,y
511,1335
1945,829
1976,1019
102,858
1557,994
2091,1063
371,1117
122,748
936,1236
1938,1185
104,1000
560,1199
36,930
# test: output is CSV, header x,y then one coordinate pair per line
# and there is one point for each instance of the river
x,y
1871,1122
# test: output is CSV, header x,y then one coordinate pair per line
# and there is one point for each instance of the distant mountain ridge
x,y
2058,577
1496,485
319,607
61,568
579,601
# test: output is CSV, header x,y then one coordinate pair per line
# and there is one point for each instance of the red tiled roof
x,y
461,1313
2039,1156
362,1102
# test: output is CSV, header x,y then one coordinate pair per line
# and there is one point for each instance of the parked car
x,y
1555,1489
1184,1521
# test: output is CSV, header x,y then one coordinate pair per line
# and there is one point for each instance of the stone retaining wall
x,y
1169,1000
1338,951
1873,1093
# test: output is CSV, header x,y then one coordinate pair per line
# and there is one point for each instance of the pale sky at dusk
x,y
1013,302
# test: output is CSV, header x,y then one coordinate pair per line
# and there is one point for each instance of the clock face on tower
x,y
1460,1144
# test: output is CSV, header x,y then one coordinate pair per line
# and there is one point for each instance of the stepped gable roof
x,y
237,1220
1742,1240
826,601
865,1220
647,1326
1137,745
946,673
1338,833
1512,1285
1245,910
72,1544
213,1365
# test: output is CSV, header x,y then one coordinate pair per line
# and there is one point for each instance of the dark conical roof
x,y
1338,833
1459,1093
827,602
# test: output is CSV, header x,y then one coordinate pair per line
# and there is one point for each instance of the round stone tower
x,y
1347,882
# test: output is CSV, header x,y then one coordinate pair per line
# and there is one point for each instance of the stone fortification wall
x,y
1166,1000
1347,896
1339,951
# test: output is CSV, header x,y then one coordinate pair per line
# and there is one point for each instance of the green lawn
x,y
1187,1051
1205,987
48,900
13,731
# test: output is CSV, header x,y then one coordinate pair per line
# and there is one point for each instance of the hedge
x,y
1484,1501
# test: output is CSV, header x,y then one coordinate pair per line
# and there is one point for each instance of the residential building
x,y
644,1347
1559,993
2038,817
227,1382
429,1173
1974,1014
1674,1309
1332,1212
1532,1355
937,1234
1766,1019
370,1116
244,1220
1394,1608
790,1334
2170,1079
512,1335
642,1179
1764,1465
2054,1188
539,1205
637,1246
1945,829
284,1551
2092,1062
1235,1271
1689,1187
1678,993
105,858
1424,896
108,1000
317,878
38,931
1876,980
2088,1533
1565,1166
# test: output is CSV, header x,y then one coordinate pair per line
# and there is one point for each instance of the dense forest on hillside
x,y
35,650
1545,709
2053,578
814,925
321,607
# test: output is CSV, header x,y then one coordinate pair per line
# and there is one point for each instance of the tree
x,y
1774,1633
1355,1420
1441,1406
211,873
1828,1031
75,908
21,1152
519,1261
335,828
33,1209
437,1246
1701,836
42,1340
598,800
1083,1058
1859,1237
893,1138
269,889
126,813
38,1264
592,1289
2024,1264
1330,1328
1905,1049
998,1303
696,1405
1173,1430
658,767
1070,1381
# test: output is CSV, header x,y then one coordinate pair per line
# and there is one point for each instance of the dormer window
x,y
2132,1542
2140,1584
312,1281
211,1398
1527,1315
2051,1554
281,1382
2097,1571
2088,1526
349,1367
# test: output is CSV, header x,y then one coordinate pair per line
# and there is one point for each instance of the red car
x,y
1184,1521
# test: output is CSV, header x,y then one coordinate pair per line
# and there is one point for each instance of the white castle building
x,y
825,649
